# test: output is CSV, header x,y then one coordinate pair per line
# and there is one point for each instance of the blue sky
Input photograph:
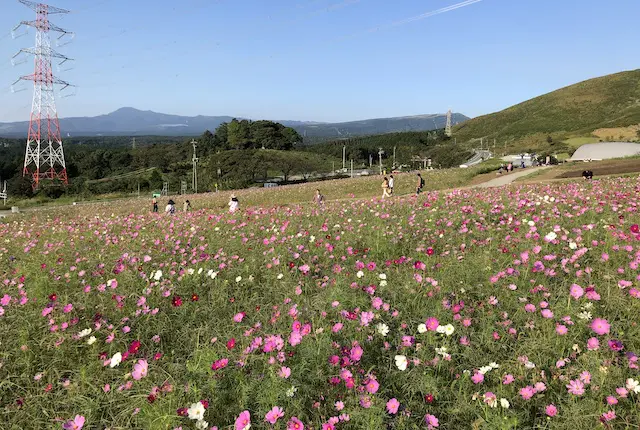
x,y
322,60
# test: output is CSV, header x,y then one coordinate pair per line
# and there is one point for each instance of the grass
x,y
605,102
361,187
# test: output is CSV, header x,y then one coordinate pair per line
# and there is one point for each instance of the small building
x,y
605,151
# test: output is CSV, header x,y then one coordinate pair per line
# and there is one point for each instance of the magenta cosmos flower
x,y
243,422
432,324
76,424
600,326
295,424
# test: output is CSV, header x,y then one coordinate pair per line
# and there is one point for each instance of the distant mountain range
x,y
133,122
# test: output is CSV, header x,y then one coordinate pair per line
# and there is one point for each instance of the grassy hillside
x,y
606,102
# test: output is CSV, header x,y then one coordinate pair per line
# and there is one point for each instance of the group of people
x,y
171,206
234,205
388,185
587,174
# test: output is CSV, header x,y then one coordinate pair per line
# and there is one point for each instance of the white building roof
x,y
606,150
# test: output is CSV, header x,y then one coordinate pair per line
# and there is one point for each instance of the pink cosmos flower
x,y
608,416
284,372
477,378
431,421
76,424
551,410
593,344
139,370
561,329
372,386
272,416
339,405
238,317
295,424
392,406
576,291
527,392
508,379
576,387
600,326
243,422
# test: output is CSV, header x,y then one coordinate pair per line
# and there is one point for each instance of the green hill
x,y
607,102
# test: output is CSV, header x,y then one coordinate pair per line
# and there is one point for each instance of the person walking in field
x,y
170,208
420,184
391,185
234,204
385,188
186,206
318,198
155,204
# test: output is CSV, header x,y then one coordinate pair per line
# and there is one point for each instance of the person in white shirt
x,y
233,203
170,208
391,185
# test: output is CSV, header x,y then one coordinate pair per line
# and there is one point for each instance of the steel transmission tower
x,y
447,128
44,157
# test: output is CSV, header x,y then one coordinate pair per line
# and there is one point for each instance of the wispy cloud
x,y
413,19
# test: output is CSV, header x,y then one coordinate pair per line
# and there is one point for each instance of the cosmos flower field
x,y
511,308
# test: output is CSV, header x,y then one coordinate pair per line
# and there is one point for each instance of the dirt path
x,y
507,179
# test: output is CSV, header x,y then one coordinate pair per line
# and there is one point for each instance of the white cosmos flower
x,y
449,329
573,245
485,369
360,274
312,239
196,411
383,329
115,360
422,328
85,332
633,385
200,270
504,403
213,275
551,236
531,223
401,362
191,271
530,365
238,278
202,425
494,365
291,391
158,275
91,340
383,283
382,276
440,329
280,276
585,315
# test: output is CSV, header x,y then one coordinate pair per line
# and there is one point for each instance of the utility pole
x,y
380,152
44,156
352,167
195,167
133,143
344,156
394,157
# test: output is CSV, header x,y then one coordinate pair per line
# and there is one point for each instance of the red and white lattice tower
x,y
44,157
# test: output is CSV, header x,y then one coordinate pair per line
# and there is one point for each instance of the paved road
x,y
507,179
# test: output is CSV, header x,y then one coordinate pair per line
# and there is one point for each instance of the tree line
x,y
237,154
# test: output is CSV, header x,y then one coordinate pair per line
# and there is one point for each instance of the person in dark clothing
x,y
420,185
155,204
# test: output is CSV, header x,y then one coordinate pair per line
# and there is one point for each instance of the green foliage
x,y
245,134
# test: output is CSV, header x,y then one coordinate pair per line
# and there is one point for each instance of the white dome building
x,y
605,151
